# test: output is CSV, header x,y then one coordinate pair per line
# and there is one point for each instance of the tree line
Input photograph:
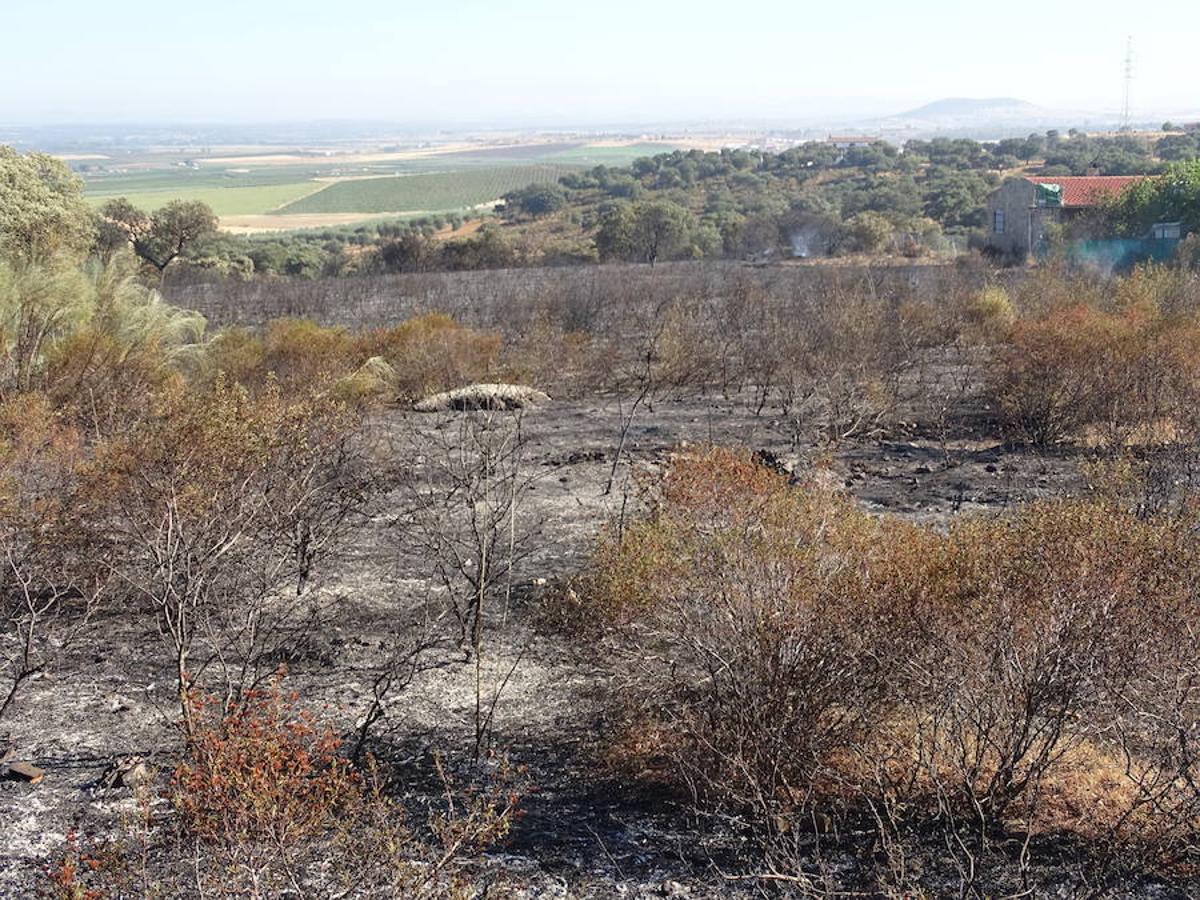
x,y
812,200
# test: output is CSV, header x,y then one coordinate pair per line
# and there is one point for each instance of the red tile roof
x,y
1087,190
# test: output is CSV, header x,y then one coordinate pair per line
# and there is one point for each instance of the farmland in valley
x,y
424,193
607,154
277,191
225,201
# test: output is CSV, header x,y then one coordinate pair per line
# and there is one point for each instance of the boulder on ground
x,y
483,396
12,769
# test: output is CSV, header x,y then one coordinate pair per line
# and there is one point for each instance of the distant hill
x,y
962,107
981,118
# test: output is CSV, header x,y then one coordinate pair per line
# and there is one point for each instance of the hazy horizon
x,y
543,64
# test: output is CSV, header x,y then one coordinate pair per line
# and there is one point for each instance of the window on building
x,y
998,221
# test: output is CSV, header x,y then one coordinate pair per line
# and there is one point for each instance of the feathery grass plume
x,y
38,306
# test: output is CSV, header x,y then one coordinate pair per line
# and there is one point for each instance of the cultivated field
x,y
422,193
226,202
271,190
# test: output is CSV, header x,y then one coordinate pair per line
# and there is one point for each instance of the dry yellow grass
x,y
682,142
301,158
1087,792
258,224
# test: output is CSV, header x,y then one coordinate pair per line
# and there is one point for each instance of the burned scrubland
x,y
802,581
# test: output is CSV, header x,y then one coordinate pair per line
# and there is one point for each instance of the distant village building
x,y
846,141
1019,211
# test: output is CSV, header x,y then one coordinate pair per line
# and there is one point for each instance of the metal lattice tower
x,y
1128,68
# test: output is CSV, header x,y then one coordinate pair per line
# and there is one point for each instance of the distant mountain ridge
x,y
988,107
980,118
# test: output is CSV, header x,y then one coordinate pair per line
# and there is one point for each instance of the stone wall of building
x,y
1024,221
1015,200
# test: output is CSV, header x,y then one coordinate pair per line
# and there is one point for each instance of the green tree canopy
x,y
42,211
535,200
868,232
955,198
1175,147
645,232
1172,197
614,235
160,237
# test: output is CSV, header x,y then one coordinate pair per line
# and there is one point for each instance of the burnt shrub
x,y
1112,378
433,353
798,663
264,804
1029,635
422,355
768,625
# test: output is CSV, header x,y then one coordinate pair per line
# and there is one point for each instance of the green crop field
x,y
179,179
590,155
441,182
225,201
427,193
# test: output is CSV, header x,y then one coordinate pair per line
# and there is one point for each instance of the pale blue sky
x,y
618,60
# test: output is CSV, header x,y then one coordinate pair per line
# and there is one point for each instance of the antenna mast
x,y
1128,82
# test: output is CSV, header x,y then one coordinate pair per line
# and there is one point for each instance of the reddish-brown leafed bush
x,y
266,771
